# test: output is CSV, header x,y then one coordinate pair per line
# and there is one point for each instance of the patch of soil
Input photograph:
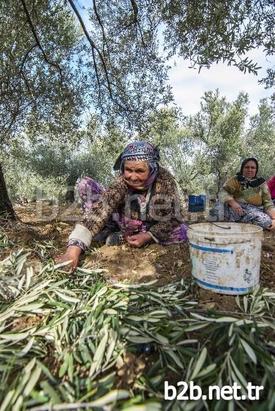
x,y
154,262
208,300
36,225
129,369
171,263
267,273
25,322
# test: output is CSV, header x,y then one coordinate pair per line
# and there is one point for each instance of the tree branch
x,y
97,75
101,25
136,21
51,63
21,70
135,10
26,56
94,47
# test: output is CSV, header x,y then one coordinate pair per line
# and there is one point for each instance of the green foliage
x,y
40,88
54,166
260,138
206,32
50,74
201,151
131,75
75,340
55,71
204,149
168,129
38,41
53,65
218,130
26,185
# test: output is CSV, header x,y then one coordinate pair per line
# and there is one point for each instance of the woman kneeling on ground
x,y
141,206
247,199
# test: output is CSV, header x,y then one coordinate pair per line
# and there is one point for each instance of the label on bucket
x,y
225,269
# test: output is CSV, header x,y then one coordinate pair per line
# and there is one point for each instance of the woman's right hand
x,y
272,227
236,207
72,254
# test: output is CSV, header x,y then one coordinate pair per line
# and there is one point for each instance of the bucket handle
x,y
209,239
220,226
238,242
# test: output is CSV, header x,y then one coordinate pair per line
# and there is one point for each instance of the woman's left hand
x,y
138,240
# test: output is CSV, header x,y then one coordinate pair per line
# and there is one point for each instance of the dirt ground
x,y
44,223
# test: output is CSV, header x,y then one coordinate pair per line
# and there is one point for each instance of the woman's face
x,y
250,169
136,173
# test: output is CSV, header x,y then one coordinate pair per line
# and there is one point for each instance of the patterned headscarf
x,y
140,151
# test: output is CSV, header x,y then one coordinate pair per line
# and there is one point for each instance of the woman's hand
x,y
72,254
271,213
236,207
138,240
272,227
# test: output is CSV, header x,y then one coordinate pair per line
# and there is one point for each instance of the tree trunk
x,y
69,197
6,207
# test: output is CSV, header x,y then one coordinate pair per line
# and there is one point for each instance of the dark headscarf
x,y
140,151
256,181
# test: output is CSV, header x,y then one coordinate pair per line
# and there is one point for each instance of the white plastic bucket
x,y
226,256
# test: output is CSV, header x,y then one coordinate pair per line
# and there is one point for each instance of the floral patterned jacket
x,y
162,213
258,196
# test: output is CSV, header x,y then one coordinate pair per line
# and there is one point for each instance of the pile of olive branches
x,y
64,342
